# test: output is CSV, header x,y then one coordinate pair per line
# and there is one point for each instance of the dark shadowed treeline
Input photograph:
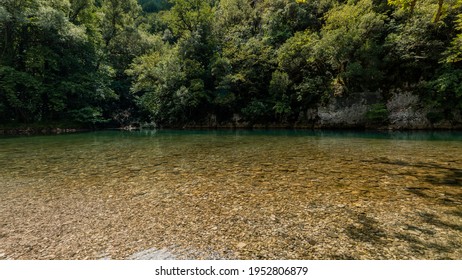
x,y
263,61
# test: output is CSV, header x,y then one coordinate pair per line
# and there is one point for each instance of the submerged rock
x,y
153,254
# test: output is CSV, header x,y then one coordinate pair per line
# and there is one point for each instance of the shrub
x,y
378,113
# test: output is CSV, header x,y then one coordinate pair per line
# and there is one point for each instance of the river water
x,y
232,195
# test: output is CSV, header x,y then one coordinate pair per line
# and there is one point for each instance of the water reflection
x,y
396,135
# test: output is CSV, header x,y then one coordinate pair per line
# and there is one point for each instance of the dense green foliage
x,y
178,61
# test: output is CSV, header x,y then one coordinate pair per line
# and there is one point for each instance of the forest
x,y
170,63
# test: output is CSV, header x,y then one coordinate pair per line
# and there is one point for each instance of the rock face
x,y
405,112
347,111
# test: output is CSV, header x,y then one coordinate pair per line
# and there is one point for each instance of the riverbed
x,y
232,195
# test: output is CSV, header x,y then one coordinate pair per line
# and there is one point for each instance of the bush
x,y
435,117
377,114
257,112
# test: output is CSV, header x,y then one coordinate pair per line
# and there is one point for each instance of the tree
x,y
154,6
166,87
282,18
279,91
188,16
350,44
409,6
454,52
184,61
405,5
48,63
233,19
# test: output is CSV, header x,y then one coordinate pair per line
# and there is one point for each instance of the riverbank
x,y
43,128
227,126
358,111
362,110
39,131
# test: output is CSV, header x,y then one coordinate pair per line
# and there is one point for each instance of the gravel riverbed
x,y
233,201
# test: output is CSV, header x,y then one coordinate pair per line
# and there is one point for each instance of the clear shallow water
x,y
232,194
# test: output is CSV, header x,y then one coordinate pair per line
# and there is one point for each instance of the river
x,y
265,194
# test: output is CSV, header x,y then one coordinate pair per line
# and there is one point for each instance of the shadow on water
x,y
446,199
419,237
419,246
440,174
342,257
452,177
432,219
457,213
419,191
419,229
447,180
366,230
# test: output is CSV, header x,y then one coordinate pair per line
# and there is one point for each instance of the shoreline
x,y
39,131
28,131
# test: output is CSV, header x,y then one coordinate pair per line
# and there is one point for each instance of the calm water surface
x,y
232,195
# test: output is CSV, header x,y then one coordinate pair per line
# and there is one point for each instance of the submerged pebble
x,y
218,197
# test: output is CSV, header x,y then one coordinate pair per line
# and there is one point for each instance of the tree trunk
x,y
412,8
7,54
439,12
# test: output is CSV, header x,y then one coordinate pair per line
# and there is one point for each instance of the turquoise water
x,y
264,194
